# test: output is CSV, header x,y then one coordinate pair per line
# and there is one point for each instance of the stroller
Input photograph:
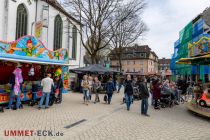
x,y
166,98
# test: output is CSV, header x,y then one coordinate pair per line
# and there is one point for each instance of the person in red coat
x,y
156,89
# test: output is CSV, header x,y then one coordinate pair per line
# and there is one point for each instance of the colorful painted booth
x,y
36,61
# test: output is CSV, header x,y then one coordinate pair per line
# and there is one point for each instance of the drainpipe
x,y
35,20
6,7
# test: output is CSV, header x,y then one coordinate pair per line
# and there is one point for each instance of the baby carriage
x,y
166,98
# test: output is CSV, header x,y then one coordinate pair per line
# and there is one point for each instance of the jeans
x,y
128,100
11,99
97,97
144,106
86,95
109,97
47,95
119,87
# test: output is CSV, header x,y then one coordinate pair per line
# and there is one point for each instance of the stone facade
x,y
45,11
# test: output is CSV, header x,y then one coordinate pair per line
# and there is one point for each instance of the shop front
x,y
36,61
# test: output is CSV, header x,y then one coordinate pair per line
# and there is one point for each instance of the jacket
x,y
110,87
144,92
128,87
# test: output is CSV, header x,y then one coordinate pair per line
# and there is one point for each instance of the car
x,y
204,100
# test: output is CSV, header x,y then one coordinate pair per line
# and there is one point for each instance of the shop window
x,y
74,42
21,21
58,32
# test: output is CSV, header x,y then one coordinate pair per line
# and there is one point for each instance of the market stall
x,y
36,61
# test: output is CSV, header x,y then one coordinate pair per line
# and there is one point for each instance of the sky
x,y
165,18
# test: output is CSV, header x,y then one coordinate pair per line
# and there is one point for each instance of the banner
x,y
38,29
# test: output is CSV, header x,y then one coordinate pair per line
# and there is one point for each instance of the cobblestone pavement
x,y
106,122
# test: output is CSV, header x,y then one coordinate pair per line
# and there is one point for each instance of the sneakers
x,y
147,115
39,108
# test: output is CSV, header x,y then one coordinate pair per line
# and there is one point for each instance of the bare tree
x,y
97,17
130,29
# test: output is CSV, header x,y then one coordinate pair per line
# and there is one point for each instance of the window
x,y
134,70
134,62
58,32
141,62
128,62
21,21
74,42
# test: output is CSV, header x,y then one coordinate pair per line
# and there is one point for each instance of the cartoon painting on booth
x,y
200,47
29,46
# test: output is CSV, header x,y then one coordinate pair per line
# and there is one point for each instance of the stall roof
x,y
96,68
33,61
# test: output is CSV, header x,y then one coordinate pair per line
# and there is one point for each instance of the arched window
x,y
21,21
58,32
74,42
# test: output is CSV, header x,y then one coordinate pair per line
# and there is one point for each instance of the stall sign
x,y
200,47
30,48
4,98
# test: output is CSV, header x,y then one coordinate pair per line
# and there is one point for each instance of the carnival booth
x,y
199,58
36,61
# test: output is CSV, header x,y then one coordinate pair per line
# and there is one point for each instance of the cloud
x,y
165,18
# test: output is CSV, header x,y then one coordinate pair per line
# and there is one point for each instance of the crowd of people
x,y
91,85
165,93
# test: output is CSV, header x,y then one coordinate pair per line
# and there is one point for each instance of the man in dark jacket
x,y
144,92
128,91
110,89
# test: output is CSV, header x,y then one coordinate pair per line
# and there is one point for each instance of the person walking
x,y
156,92
90,81
110,89
128,91
120,83
47,84
144,93
18,84
96,87
85,89
58,89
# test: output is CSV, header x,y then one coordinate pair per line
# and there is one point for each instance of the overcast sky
x,y
165,18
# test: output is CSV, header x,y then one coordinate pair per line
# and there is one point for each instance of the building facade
x,y
137,59
194,31
45,19
164,67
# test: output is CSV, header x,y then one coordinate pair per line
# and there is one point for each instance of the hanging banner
x,y
38,29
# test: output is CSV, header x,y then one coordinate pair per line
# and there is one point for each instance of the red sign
x,y
4,98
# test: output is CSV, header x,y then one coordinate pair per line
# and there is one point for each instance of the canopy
x,y
202,60
96,68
